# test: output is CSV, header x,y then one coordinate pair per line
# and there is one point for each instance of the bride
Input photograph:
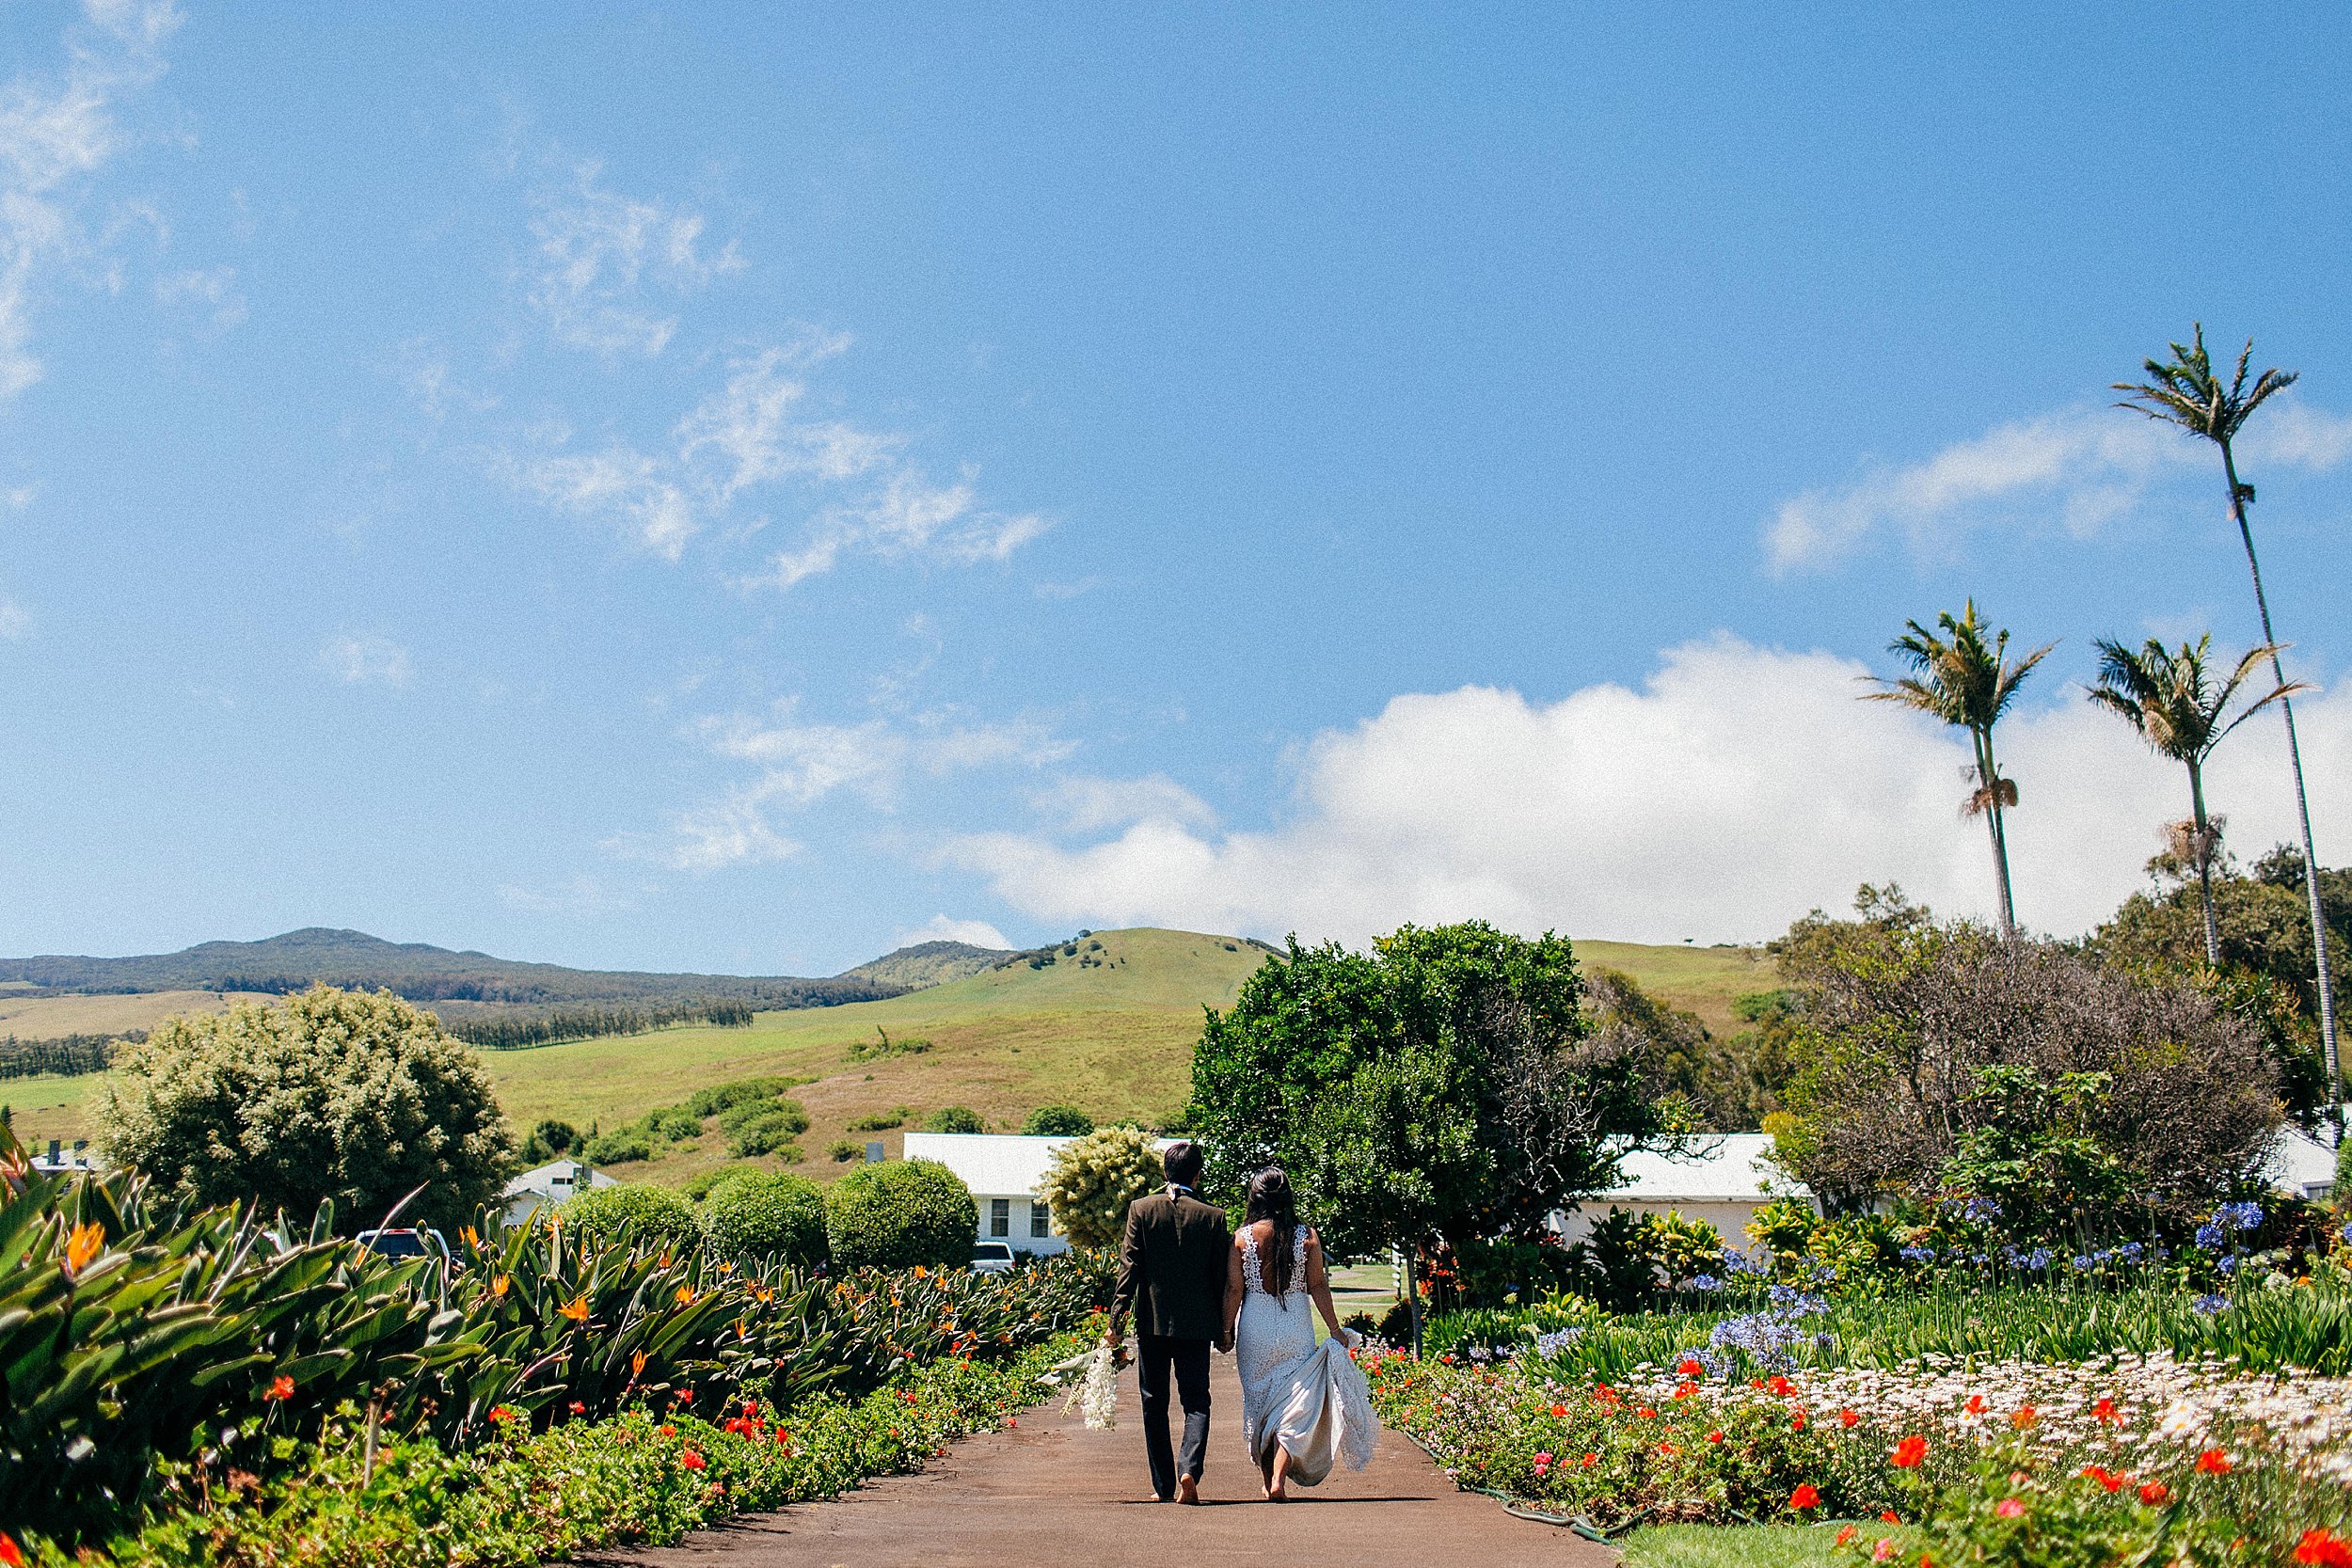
x,y
1303,1404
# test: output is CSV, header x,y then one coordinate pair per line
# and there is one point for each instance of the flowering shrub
x,y
525,1497
1971,1454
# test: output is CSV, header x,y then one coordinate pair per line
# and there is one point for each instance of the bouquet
x,y
1097,1394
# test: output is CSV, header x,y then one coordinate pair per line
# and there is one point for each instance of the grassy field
x,y
1109,1028
43,1017
1703,980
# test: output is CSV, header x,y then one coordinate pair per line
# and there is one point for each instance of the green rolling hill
x,y
1105,1022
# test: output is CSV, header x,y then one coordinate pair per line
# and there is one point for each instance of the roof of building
x,y
2300,1162
993,1164
1711,1167
542,1179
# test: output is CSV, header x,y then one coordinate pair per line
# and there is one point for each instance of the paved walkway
x,y
1052,1495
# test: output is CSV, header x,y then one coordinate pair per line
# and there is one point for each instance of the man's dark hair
x,y
1183,1163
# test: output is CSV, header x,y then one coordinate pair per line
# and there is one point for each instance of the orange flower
x,y
1975,1405
1691,1367
637,1364
1909,1451
1804,1496
1796,1422
10,1553
280,1389
692,1460
576,1309
2213,1462
1890,1516
2105,1410
2155,1493
726,1268
1714,1436
686,1296
467,1234
1559,1412
2024,1417
1847,1419
1668,1450
2325,1548
82,1247
497,1287
1844,1535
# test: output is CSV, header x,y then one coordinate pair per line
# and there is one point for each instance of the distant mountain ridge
x,y
423,972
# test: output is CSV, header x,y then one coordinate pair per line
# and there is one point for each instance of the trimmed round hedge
x,y
900,1214
653,1215
762,1215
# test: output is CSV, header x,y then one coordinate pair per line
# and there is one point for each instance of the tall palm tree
x,y
2175,702
1963,677
2183,390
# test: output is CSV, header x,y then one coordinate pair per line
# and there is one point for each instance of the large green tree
x,y
2185,390
1441,1085
2178,706
1961,674
331,1094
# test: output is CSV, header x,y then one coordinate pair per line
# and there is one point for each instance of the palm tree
x,y
2183,390
1966,680
2173,702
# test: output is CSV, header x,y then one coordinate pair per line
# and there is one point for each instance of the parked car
x,y
404,1242
992,1258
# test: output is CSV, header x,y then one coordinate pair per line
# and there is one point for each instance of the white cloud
x,y
801,763
976,933
616,481
1088,804
743,434
15,625
1737,788
212,292
365,658
908,516
596,255
54,137
2081,468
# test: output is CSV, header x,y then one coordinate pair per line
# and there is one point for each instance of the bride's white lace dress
x,y
1311,1399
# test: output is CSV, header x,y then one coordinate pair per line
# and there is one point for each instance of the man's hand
x,y
1225,1346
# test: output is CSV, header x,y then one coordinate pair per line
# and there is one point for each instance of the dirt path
x,y
1052,1495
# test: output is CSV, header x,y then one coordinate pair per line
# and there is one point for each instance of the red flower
x,y
1909,1452
1891,1517
10,1553
1782,1386
667,1430
2324,1547
2155,1493
1805,1497
1590,1460
692,1460
2213,1462
2104,1477
280,1389
1845,1535
1691,1367
1796,1422
2009,1508
1714,1436
1559,1412
1847,1419
579,1409
2024,1417
1975,1405
2105,1410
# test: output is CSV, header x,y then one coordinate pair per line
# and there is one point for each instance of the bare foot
x,y
1188,1489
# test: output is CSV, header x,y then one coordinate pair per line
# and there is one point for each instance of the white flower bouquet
x,y
1096,1396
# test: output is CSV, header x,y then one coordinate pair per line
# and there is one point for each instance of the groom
x,y
1171,1274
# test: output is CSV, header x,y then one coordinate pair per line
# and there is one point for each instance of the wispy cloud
x,y
599,257
803,761
365,658
212,292
54,135
2079,469
749,440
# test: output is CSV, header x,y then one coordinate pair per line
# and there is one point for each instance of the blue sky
x,y
721,489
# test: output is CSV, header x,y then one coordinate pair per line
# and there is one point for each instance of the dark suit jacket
x,y
1172,1267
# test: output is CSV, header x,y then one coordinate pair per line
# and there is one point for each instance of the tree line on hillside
x,y
524,1031
63,1055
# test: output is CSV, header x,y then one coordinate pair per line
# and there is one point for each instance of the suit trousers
x,y
1155,1357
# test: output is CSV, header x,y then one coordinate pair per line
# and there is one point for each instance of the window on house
x,y
1041,1220
1000,1216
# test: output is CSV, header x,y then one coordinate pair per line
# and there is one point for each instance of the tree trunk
x,y
2302,808
1989,776
2202,849
1412,1293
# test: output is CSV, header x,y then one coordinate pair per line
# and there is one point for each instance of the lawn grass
x,y
1730,1546
46,1018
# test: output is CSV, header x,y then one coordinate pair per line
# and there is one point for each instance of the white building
x,y
2301,1165
1003,1171
1722,1178
548,1185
